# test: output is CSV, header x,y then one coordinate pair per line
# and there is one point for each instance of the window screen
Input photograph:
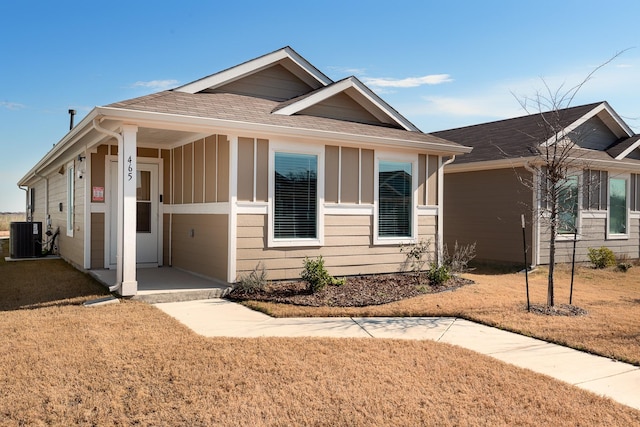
x,y
295,196
394,199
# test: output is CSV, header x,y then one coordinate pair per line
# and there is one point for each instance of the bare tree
x,y
558,160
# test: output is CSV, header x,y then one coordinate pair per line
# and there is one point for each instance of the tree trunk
x,y
552,251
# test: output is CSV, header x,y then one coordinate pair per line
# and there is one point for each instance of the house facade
x,y
504,178
266,162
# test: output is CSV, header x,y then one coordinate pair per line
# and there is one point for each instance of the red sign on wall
x,y
97,194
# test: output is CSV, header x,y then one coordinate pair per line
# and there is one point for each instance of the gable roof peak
x,y
286,56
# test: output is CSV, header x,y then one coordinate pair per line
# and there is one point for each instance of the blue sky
x,y
441,64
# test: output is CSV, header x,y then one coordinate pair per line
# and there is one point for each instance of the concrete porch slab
x,y
166,284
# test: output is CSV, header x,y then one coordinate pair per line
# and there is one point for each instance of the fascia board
x,y
252,66
341,86
626,152
489,165
203,124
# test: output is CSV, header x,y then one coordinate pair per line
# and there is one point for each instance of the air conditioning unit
x,y
26,239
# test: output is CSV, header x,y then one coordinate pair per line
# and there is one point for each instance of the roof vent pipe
x,y
71,114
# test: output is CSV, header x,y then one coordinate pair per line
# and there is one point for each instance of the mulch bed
x,y
558,310
358,291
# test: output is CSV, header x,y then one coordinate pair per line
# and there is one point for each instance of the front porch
x,y
167,284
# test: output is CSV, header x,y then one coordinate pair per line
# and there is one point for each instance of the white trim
x,y
348,209
87,210
594,214
255,167
296,148
359,174
411,158
339,175
233,216
255,208
428,210
98,207
215,208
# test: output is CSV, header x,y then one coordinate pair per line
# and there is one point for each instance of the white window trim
x,y
618,236
296,148
70,184
396,157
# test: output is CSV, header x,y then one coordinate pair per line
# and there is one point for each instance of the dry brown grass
x,y
6,219
129,363
612,299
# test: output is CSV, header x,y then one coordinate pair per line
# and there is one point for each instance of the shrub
x,y
253,282
316,276
437,275
459,261
602,258
415,256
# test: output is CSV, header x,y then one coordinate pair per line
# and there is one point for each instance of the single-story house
x,y
269,161
488,190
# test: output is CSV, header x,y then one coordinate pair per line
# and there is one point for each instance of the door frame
x,y
108,210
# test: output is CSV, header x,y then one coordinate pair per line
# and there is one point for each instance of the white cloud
x,y
11,105
433,79
156,84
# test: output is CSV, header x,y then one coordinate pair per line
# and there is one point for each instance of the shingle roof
x,y
510,138
234,107
621,145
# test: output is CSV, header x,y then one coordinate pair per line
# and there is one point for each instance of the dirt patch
x,y
359,291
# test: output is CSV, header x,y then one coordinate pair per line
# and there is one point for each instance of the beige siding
x,y
177,175
593,235
198,171
275,83
199,244
262,171
432,180
367,178
211,168
223,169
97,240
422,179
187,174
147,152
348,248
485,207
166,162
245,169
166,247
97,167
331,162
341,107
349,180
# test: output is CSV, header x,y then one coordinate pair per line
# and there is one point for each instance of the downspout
x,y
26,200
118,137
535,224
441,208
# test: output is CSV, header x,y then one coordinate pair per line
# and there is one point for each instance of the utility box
x,y
25,239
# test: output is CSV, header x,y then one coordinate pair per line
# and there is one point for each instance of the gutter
x,y
96,125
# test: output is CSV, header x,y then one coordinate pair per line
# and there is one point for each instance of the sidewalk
x,y
616,380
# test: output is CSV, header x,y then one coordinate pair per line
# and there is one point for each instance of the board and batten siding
x,y
485,207
348,248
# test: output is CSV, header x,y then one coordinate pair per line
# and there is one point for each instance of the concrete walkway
x,y
616,380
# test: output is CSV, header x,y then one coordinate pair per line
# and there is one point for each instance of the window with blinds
x,y
295,196
394,199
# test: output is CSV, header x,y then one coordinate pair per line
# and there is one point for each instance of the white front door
x,y
147,196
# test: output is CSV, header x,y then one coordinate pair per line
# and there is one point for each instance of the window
x,y
143,202
70,198
568,206
295,212
395,199
617,206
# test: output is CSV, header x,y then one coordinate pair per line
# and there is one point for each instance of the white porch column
x,y
127,185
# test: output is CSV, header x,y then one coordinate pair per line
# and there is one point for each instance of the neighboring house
x,y
488,190
268,161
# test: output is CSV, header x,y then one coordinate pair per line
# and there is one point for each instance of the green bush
x,y
602,258
438,275
253,282
316,276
